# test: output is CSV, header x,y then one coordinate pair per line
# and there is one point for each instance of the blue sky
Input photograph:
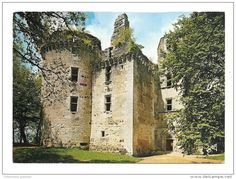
x,y
148,28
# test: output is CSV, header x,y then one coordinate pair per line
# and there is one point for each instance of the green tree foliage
x,y
33,29
125,38
26,102
124,35
195,56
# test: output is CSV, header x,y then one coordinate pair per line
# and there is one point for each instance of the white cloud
x,y
150,46
102,27
168,27
148,29
147,32
103,34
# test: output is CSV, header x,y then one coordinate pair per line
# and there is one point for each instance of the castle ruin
x,y
108,100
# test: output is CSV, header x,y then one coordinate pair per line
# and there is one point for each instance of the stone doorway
x,y
169,144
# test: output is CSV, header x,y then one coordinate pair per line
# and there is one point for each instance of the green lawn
x,y
64,155
216,157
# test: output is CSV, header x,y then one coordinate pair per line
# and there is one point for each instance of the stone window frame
x,y
168,80
103,134
108,75
73,104
169,104
108,103
74,74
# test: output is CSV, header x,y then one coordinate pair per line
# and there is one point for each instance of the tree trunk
x,y
13,131
22,134
38,133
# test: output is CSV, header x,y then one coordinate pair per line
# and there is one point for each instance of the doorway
x,y
169,144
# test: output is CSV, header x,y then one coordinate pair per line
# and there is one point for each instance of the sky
x,y
148,28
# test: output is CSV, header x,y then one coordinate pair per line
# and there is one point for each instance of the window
x,y
168,81
108,103
109,52
74,74
73,103
108,74
168,104
103,133
83,144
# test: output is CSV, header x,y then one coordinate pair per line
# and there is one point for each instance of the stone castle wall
x,y
117,123
61,126
147,104
168,92
134,123
136,101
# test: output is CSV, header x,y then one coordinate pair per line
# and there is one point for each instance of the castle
x,y
109,100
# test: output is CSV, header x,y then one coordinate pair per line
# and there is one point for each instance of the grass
x,y
216,157
64,155
74,155
220,157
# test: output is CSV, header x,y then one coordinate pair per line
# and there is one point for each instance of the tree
x,y
195,56
26,100
33,29
125,38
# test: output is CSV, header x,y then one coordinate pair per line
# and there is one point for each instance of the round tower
x,y
69,61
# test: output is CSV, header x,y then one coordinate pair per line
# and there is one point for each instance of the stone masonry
x,y
62,126
170,95
107,100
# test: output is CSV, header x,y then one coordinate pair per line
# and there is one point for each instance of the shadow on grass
x,y
154,153
48,155
39,155
109,161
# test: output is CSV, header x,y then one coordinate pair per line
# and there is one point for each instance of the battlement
x,y
64,40
138,57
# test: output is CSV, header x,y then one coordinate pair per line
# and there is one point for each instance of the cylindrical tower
x,y
69,61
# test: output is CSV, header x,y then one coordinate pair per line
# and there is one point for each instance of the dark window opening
x,y
103,133
108,103
119,45
169,104
74,74
108,74
168,80
73,103
169,144
109,52
83,144
108,107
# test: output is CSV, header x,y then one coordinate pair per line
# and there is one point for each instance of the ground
x,y
67,155
74,155
176,158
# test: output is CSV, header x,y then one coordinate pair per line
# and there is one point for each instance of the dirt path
x,y
175,158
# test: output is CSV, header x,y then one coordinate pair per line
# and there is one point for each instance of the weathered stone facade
x,y
62,127
107,100
146,104
170,95
117,122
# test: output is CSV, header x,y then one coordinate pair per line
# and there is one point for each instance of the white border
x,y
12,168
